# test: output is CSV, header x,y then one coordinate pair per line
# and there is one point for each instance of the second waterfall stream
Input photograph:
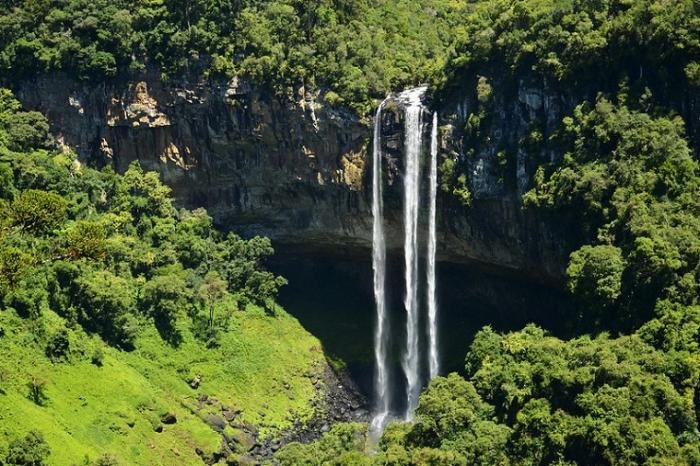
x,y
414,361
413,135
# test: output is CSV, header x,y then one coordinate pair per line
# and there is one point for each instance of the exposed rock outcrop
x,y
294,169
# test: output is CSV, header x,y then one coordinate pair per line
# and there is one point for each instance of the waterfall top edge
x,y
412,96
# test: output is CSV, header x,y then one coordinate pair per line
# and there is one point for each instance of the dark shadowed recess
x,y
333,299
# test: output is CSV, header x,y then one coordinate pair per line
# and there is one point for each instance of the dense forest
x,y
355,50
99,271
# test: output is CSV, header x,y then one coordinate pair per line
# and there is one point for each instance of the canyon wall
x,y
296,169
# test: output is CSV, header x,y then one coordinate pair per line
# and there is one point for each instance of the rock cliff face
x,y
295,169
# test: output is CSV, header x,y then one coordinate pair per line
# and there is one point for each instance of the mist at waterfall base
x,y
333,298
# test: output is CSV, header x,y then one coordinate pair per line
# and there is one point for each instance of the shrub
x,y
37,390
58,346
31,450
98,356
26,302
107,459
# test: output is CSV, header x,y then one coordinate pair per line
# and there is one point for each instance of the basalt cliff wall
x,y
297,170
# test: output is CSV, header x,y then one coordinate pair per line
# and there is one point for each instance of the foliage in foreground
x,y
529,398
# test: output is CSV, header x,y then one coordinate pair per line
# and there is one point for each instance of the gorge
x,y
261,165
325,233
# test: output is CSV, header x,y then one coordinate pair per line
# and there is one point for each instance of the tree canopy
x,y
358,50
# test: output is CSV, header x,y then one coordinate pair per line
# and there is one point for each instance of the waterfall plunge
x,y
413,143
433,360
413,112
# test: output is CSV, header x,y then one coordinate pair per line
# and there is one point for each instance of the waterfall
x,y
413,142
433,362
411,357
381,379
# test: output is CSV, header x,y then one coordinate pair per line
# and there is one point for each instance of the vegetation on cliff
x,y
358,50
572,41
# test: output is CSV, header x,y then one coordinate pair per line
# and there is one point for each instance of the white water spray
x,y
381,376
413,142
433,360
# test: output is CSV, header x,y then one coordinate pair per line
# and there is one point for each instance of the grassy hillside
x,y
263,368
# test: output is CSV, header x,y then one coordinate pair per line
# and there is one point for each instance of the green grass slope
x,y
264,367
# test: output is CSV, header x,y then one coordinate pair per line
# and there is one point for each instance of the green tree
x,y
165,297
7,184
448,408
142,194
211,291
38,212
31,450
86,239
595,275
14,264
105,304
25,130
240,262
21,131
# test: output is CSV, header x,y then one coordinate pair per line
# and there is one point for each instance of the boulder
x,y
168,418
217,423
